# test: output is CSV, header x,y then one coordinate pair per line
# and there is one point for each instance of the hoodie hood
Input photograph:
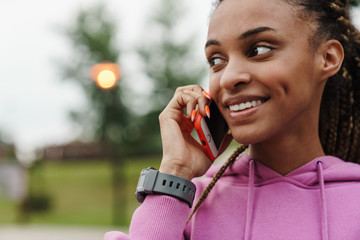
x,y
334,170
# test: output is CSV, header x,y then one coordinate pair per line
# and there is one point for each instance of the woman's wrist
x,y
176,170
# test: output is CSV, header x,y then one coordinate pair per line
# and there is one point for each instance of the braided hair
x,y
228,163
339,124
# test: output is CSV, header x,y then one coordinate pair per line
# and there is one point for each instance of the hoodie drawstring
x,y
324,220
250,202
251,195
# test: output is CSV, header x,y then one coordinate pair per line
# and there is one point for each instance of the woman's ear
x,y
332,58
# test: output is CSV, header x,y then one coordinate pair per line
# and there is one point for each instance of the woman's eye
x,y
215,61
259,50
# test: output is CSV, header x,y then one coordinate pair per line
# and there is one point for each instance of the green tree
x,y
169,62
7,148
354,3
93,37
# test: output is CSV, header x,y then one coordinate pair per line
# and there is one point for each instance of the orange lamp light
x,y
106,75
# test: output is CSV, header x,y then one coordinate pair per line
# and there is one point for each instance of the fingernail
x,y
207,95
193,115
207,110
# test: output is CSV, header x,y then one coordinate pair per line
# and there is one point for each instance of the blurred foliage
x,y
93,37
7,149
354,3
108,119
7,152
169,62
37,199
36,203
168,55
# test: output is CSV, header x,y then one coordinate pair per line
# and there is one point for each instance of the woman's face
x,y
264,75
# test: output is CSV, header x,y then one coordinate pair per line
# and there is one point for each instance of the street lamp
x,y
105,75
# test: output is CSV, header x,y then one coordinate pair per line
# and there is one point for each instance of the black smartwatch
x,y
153,182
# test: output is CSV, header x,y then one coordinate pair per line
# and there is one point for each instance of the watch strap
x,y
153,182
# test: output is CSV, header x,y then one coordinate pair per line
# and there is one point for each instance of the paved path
x,y
30,232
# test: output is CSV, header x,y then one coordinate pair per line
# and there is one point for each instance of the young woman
x,y
285,76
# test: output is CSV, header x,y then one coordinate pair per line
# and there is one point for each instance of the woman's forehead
x,y
254,8
243,15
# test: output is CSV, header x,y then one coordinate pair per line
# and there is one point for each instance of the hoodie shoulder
x,y
337,170
334,169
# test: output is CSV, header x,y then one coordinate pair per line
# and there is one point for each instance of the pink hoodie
x,y
320,200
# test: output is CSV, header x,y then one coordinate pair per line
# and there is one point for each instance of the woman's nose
x,y
234,75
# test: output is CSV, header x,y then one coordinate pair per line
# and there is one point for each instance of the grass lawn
x,y
80,192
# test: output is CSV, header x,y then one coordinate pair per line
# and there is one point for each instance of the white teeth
x,y
246,105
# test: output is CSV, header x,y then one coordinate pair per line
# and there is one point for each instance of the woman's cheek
x,y
214,86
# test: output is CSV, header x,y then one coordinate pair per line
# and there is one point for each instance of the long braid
x,y
331,96
217,176
329,122
345,123
347,129
340,112
355,149
345,102
354,152
324,131
354,96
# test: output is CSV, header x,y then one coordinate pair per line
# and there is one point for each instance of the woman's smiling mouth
x,y
245,105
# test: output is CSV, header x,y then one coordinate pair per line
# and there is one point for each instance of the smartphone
x,y
211,131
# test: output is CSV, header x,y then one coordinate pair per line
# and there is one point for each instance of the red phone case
x,y
205,137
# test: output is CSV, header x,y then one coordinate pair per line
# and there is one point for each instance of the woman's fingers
x,y
200,100
182,154
190,98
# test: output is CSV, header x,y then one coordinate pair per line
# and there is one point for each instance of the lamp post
x,y
106,76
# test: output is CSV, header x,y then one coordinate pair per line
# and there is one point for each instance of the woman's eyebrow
x,y
255,31
212,42
244,35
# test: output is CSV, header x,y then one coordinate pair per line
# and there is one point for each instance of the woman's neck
x,y
287,153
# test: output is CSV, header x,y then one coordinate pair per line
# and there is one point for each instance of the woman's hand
x,y
183,156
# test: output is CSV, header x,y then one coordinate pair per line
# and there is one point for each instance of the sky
x,y
34,100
